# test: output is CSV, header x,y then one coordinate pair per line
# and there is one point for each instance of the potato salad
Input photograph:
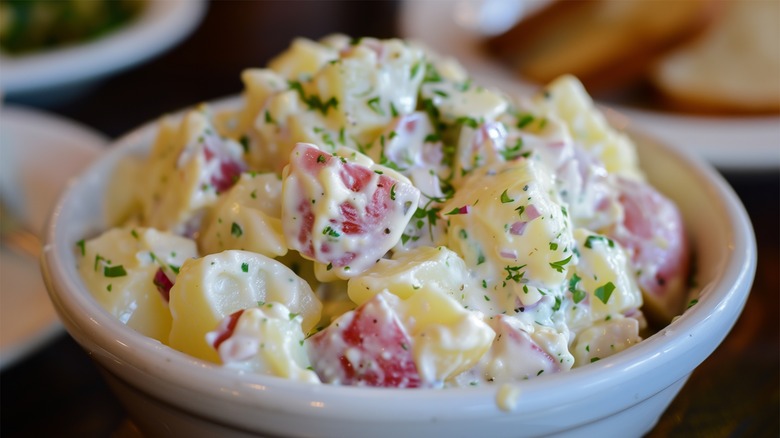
x,y
369,215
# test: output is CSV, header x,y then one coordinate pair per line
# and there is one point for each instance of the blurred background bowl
x,y
53,75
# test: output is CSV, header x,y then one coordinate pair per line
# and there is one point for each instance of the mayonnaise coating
x,y
370,215
247,217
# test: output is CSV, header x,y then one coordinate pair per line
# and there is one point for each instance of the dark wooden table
x,y
58,391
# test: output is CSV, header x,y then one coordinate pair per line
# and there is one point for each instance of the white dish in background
x,y
39,153
162,24
729,143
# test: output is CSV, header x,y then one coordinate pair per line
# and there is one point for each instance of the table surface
x,y
58,391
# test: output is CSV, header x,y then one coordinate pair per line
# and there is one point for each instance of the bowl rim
x,y
112,339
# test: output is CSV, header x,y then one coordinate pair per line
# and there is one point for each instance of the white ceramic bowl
x,y
169,393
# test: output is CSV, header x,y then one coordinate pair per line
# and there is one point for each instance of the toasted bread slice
x,y
733,67
605,43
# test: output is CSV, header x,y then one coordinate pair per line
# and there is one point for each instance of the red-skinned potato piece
x,y
226,329
340,213
224,175
515,342
654,233
163,284
366,347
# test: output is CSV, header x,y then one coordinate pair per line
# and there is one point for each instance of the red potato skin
x,y
518,347
350,221
229,169
649,218
163,284
224,333
366,347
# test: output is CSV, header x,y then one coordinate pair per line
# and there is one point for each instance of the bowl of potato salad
x,y
366,242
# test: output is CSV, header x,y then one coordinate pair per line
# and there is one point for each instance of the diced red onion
x,y
518,228
532,212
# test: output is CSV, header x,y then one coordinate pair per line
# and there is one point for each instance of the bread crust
x,y
607,44
733,68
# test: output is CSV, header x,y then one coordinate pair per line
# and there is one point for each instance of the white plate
x,y
162,24
731,143
39,153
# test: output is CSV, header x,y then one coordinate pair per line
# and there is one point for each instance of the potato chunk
x,y
211,288
120,268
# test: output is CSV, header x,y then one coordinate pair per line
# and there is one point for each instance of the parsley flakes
x,y
558,266
604,292
114,271
505,197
